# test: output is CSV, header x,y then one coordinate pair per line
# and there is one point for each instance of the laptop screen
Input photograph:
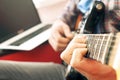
x,y
16,16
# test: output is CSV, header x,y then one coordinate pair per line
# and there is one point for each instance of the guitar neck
x,y
101,46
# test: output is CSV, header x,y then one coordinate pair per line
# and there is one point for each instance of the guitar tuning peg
x,y
99,7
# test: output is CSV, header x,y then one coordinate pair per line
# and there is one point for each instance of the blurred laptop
x,y
20,25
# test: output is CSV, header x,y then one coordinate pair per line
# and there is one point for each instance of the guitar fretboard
x,y
98,46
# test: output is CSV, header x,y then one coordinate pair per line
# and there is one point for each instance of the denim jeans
x,y
13,70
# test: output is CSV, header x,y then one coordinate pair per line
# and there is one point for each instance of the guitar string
x,y
106,40
88,46
101,60
109,46
104,58
112,41
91,44
98,35
106,36
104,45
91,47
98,44
93,53
95,47
100,50
106,49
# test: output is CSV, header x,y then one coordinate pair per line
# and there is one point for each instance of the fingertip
x,y
70,35
78,57
62,55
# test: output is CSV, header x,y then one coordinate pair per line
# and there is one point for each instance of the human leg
x,y
12,70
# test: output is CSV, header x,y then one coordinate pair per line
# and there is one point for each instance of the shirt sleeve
x,y
70,13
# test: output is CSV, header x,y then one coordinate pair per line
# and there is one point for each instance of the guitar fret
x,y
106,48
98,46
93,50
88,46
95,46
91,47
102,47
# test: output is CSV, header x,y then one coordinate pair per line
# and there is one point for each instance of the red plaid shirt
x,y
112,14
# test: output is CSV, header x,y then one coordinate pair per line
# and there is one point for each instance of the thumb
x,y
77,56
67,31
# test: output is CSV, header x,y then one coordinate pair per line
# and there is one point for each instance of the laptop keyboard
x,y
24,39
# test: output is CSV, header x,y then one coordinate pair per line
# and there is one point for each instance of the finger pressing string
x,y
77,56
80,39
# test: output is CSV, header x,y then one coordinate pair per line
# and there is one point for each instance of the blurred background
x,y
49,10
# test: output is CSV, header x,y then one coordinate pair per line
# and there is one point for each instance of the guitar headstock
x,y
91,18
